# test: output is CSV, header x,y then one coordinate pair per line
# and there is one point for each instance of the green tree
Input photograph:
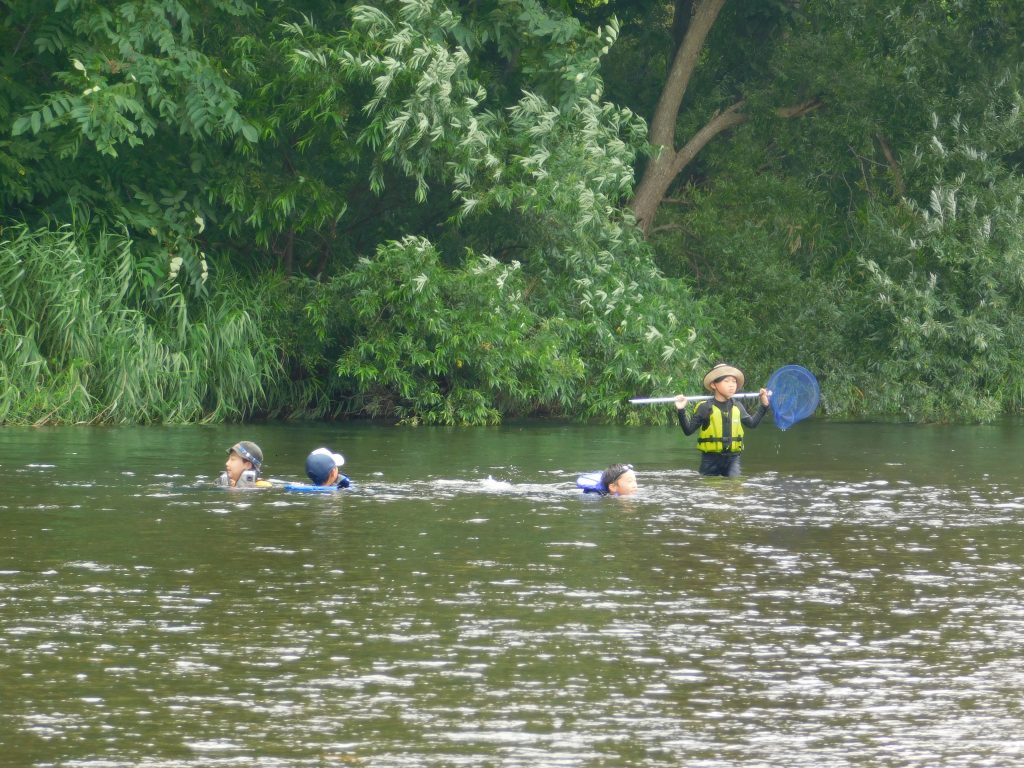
x,y
800,228
691,66
309,144
111,111
554,173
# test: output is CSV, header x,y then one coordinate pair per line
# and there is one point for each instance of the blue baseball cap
x,y
320,463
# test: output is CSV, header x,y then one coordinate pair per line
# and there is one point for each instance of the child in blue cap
x,y
323,467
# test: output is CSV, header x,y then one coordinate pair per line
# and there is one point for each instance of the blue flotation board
x,y
343,482
590,482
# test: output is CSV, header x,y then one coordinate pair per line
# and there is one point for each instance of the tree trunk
x,y
659,172
663,169
667,162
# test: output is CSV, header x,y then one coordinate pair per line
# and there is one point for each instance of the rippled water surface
x,y
854,600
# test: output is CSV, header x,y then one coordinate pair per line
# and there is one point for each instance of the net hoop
x,y
795,395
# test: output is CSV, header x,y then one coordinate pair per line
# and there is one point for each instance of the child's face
x,y
725,387
624,485
235,466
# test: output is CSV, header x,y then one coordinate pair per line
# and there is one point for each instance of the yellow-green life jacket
x,y
709,439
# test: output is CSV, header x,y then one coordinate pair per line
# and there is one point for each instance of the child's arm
x,y
752,420
691,422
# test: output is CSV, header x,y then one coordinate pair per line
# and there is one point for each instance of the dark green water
x,y
855,600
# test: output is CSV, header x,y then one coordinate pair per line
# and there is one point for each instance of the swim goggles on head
x,y
242,451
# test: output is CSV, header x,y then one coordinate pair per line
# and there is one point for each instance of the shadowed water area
x,y
854,600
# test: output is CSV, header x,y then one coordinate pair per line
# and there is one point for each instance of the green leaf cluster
x,y
425,347
940,295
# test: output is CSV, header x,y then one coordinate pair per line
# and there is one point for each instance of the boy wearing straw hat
x,y
721,421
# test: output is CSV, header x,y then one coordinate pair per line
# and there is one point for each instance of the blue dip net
x,y
795,395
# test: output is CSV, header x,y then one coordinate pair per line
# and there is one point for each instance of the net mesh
x,y
795,395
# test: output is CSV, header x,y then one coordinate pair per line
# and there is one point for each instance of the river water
x,y
854,600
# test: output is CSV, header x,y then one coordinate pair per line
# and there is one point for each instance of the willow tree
x,y
539,175
921,149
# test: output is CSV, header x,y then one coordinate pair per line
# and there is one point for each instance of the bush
x,y
84,339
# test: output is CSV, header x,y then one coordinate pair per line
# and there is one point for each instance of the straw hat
x,y
720,370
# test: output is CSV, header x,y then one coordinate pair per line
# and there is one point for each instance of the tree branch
x,y
799,110
894,166
685,62
682,12
721,121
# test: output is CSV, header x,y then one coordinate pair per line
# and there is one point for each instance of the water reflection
x,y
467,605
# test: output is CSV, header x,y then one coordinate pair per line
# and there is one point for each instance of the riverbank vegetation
x,y
460,213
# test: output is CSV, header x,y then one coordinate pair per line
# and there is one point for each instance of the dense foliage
x,y
420,211
84,340
877,236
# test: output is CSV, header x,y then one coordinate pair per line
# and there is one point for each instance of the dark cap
x,y
249,451
320,463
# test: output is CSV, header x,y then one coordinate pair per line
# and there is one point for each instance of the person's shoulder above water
x,y
243,466
323,468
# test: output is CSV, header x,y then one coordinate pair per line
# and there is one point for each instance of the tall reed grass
x,y
82,340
